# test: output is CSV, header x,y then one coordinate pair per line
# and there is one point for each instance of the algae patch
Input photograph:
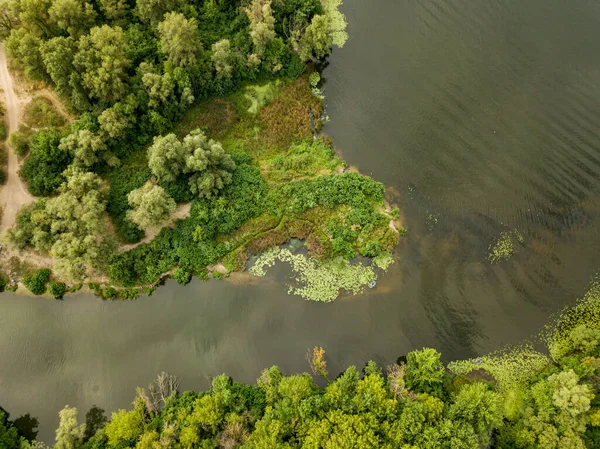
x,y
505,246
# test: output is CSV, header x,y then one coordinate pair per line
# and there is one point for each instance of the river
x,y
482,117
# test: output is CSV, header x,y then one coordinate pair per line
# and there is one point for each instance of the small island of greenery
x,y
190,142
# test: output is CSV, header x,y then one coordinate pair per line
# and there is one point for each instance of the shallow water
x,y
482,116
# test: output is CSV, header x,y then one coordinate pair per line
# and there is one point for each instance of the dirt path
x,y
13,194
58,105
183,211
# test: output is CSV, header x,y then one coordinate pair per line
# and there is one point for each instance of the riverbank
x,y
518,397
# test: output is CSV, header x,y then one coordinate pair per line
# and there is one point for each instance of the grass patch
x,y
260,96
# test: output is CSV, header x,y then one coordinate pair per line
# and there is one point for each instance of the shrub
x,y
109,293
19,141
40,113
43,169
3,282
36,283
3,131
182,276
129,294
57,289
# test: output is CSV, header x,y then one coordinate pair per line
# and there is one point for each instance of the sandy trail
x,y
182,212
13,194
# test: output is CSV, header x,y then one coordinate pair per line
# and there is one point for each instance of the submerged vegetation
x,y
209,104
517,399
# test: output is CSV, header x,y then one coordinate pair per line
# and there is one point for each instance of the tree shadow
x,y
27,426
94,421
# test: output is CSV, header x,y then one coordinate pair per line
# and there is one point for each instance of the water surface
x,y
482,117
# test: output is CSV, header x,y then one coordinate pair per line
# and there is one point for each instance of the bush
x,y
43,169
109,293
3,282
40,113
129,294
57,290
36,283
182,276
3,131
19,141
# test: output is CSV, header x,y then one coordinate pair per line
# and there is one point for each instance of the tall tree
x,y
425,371
115,10
102,61
69,434
35,17
9,17
262,24
25,48
153,11
88,148
179,39
118,119
58,54
222,58
167,157
210,165
74,16
151,206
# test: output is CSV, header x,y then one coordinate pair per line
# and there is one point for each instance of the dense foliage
x,y
43,169
36,283
414,403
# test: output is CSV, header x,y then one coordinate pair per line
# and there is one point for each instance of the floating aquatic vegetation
x,y
510,368
431,220
505,246
318,281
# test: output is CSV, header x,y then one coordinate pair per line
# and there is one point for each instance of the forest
x,y
517,399
194,142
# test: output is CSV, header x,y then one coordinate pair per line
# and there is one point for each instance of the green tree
x,y
115,10
222,58
337,22
210,165
43,169
103,63
316,41
25,48
88,148
34,16
118,119
179,39
153,11
479,407
9,437
69,434
262,24
58,54
151,206
167,157
126,427
9,17
74,16
425,371
71,227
